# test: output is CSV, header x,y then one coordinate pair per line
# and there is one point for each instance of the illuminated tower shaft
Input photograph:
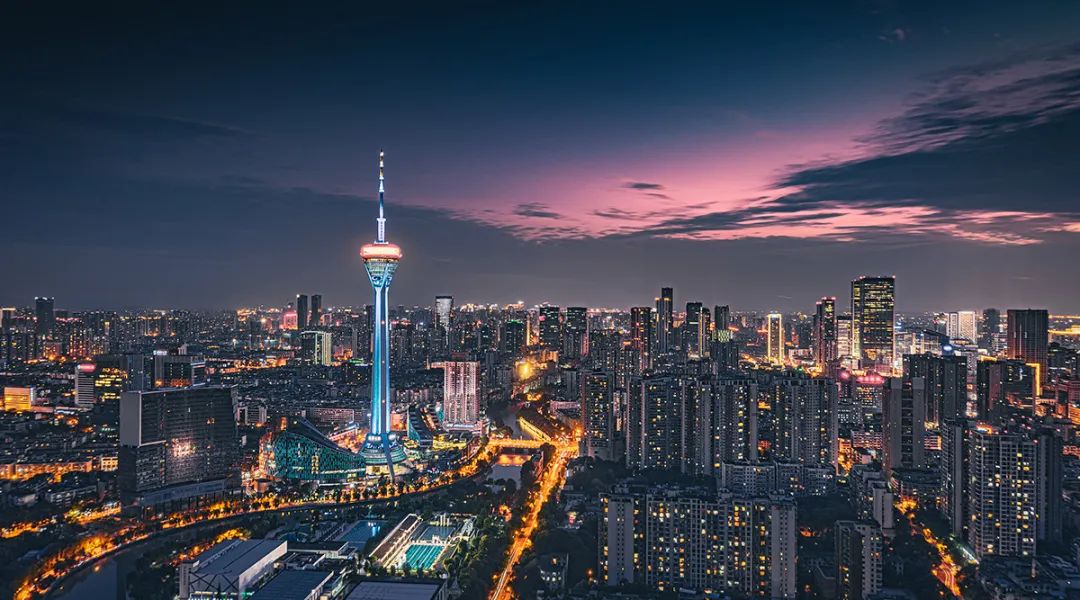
x,y
381,260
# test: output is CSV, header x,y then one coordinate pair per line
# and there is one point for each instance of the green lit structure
x,y
300,452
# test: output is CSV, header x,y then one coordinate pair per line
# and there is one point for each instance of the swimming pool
x,y
423,556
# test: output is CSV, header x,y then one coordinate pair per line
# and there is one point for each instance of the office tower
x,y
859,562
804,419
513,337
315,316
1002,493
550,328
722,321
844,342
904,424
873,498
381,260
461,394
946,384
576,333
873,304
991,328
301,312
1003,382
1027,339
1049,478
316,347
641,336
662,422
825,345
745,546
774,332
178,370
665,320
694,336
44,314
444,311
598,416
84,384
953,469
177,443
961,325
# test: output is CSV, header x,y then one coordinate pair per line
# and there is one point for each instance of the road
x,y
553,477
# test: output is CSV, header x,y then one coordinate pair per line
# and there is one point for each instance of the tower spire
x,y
382,191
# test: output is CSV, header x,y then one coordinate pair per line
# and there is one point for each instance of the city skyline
x,y
771,168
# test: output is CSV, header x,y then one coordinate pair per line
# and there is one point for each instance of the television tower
x,y
381,446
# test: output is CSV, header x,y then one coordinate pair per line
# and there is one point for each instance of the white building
x,y
461,394
230,569
962,325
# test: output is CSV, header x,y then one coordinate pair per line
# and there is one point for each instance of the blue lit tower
x,y
381,447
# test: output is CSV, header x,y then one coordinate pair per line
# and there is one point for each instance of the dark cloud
x,y
642,185
537,210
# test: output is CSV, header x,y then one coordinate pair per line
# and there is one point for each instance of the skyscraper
x,y
45,314
315,347
873,306
904,424
550,327
991,329
576,332
641,335
664,319
1028,337
844,333
444,309
825,332
598,416
693,333
722,322
461,394
1002,493
301,312
315,316
774,332
961,325
946,384
381,261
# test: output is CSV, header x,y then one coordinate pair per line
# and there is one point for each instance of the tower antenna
x,y
382,203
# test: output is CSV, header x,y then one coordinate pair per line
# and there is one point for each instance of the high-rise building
x,y
641,336
873,306
302,312
444,311
576,332
1049,478
315,316
1028,338
694,336
904,424
804,419
859,564
84,384
679,539
1003,382
825,332
551,327
722,323
946,384
381,258
961,325
177,370
990,330
177,443
598,415
1002,493
844,342
513,336
953,470
774,340
316,347
662,422
44,314
665,319
461,394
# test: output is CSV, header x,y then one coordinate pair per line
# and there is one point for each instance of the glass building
x,y
299,451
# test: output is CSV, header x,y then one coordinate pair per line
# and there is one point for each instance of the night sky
x,y
759,155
